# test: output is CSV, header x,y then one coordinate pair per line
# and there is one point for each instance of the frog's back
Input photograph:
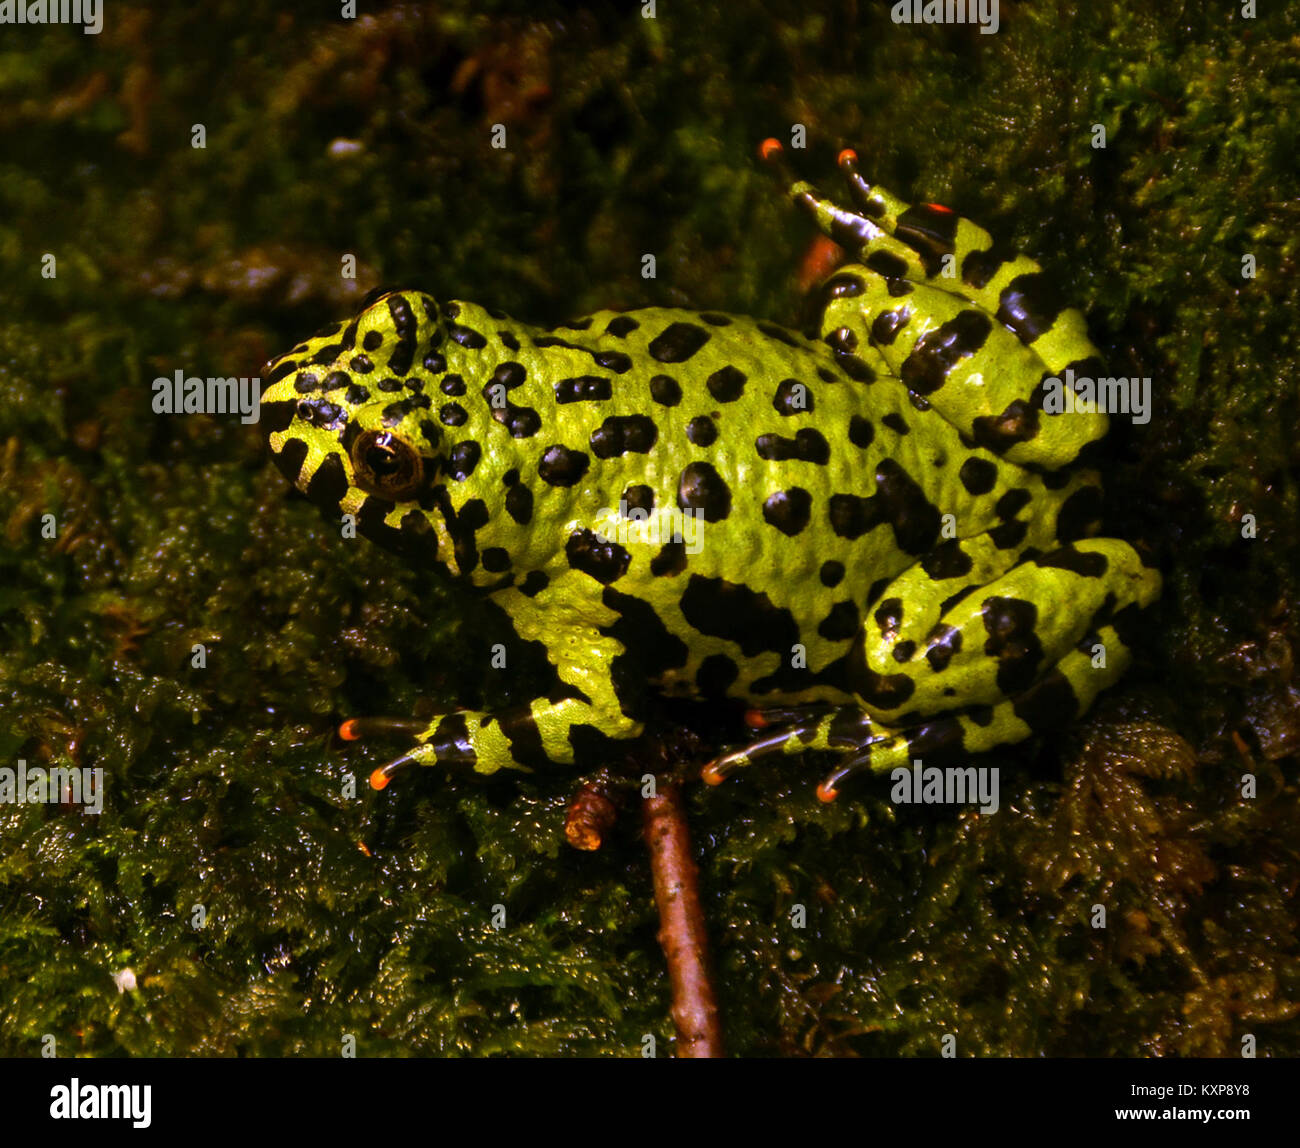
x,y
729,474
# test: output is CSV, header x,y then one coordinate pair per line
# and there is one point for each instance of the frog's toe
x,y
720,768
865,745
792,715
865,761
420,755
354,729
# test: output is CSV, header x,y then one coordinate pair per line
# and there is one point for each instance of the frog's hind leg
x,y
977,333
998,659
931,244
1002,653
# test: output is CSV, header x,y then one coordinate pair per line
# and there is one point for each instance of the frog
x,y
875,535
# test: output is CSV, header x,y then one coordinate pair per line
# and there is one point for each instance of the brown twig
x,y
681,924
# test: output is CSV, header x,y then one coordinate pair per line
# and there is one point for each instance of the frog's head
x,y
349,422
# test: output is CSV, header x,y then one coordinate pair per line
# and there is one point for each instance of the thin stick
x,y
681,925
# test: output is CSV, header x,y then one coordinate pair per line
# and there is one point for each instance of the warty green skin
x,y
887,551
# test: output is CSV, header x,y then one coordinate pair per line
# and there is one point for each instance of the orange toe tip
x,y
348,730
769,147
379,779
827,793
847,155
755,719
940,208
710,776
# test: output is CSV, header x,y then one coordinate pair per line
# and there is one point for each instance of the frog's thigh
x,y
934,645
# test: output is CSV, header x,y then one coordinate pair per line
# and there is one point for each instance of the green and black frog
x,y
873,535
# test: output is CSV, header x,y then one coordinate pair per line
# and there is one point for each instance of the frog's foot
x,y
799,729
871,229
945,739
455,739
866,745
354,729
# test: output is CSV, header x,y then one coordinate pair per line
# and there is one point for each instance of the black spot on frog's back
x,y
1011,625
583,389
702,488
666,391
624,434
938,352
1030,304
793,397
701,431
560,466
903,504
677,342
621,326
726,384
590,554
978,475
1085,563
788,510
808,445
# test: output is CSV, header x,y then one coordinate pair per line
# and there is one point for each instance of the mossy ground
x,y
625,135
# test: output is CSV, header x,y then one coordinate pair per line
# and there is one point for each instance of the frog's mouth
x,y
407,530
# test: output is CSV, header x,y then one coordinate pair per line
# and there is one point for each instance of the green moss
x,y
625,136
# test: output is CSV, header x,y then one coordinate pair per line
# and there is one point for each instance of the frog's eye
x,y
386,465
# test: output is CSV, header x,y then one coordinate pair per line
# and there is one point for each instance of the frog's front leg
x,y
591,701
522,737
947,668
